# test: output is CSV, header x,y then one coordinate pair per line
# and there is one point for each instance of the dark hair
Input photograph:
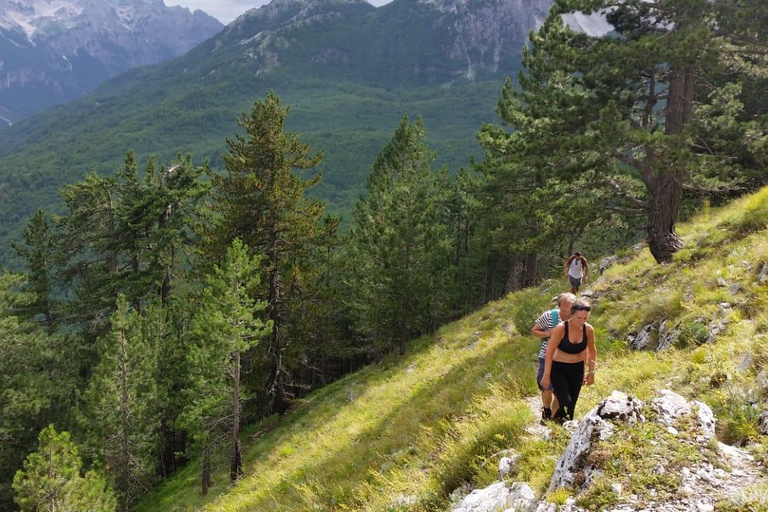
x,y
577,253
581,305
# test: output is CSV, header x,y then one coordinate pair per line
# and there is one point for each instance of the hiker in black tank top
x,y
571,350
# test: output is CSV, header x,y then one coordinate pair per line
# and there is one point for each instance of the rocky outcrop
x,y
517,497
699,486
55,51
595,426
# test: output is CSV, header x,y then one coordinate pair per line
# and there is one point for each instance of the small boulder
x,y
706,418
620,406
522,498
642,339
763,274
591,428
762,423
746,363
608,262
761,381
507,465
667,336
669,406
497,497
714,330
734,289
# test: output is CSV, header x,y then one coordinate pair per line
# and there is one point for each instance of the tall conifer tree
x,y
262,201
122,400
225,327
401,243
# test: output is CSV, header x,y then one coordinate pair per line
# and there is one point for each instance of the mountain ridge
x,y
350,72
52,51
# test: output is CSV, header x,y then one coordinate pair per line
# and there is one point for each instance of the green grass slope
x,y
415,433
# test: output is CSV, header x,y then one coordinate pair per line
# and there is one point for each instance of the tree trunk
x,y
530,269
667,187
236,468
664,205
125,457
206,475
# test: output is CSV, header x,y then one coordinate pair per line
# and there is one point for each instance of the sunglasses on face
x,y
581,308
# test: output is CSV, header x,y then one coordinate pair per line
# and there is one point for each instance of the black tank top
x,y
573,348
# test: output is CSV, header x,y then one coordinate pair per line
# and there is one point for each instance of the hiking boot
x,y
546,415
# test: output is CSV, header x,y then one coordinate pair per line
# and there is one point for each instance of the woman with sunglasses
x,y
570,352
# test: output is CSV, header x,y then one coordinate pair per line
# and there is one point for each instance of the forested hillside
x,y
349,70
175,335
418,433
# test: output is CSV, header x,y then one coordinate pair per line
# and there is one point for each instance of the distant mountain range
x,y
53,51
349,70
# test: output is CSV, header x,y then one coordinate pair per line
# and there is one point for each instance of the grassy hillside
x,y
416,433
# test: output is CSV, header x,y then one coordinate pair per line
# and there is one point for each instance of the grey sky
x,y
228,10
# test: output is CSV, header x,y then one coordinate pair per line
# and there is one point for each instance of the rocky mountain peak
x,y
55,50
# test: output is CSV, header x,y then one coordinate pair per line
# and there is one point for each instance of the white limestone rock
x,y
522,498
669,406
706,418
593,427
499,496
621,406
762,381
507,465
608,262
763,274
642,339
746,363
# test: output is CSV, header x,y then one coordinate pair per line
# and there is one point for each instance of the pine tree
x,y
39,380
39,254
51,480
225,327
610,109
401,243
262,201
122,400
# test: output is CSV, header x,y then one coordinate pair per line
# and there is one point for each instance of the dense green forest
x,y
166,306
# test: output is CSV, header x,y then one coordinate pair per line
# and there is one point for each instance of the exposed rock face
x,y
595,426
52,51
462,37
607,263
642,339
762,424
699,486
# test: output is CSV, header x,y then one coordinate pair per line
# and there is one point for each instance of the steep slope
x,y
53,51
349,70
418,433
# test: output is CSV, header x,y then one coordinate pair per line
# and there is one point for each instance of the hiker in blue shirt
x,y
543,328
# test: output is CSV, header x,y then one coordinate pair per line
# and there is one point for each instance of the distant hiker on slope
x,y
576,270
543,328
570,352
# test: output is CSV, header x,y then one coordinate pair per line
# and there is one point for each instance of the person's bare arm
x,y
586,267
591,362
537,332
